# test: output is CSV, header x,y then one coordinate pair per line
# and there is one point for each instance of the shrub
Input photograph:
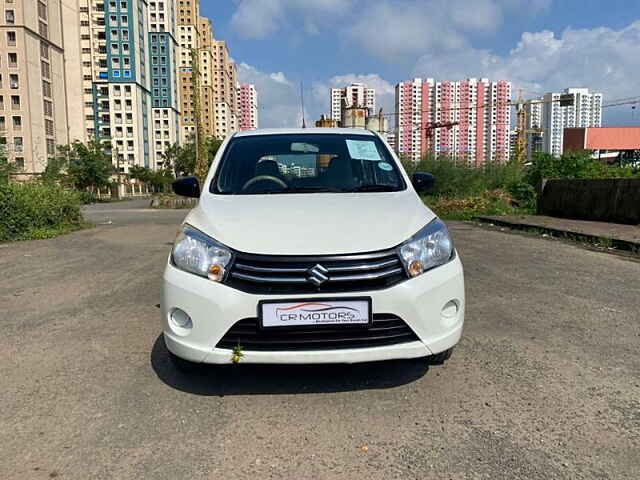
x,y
87,198
454,179
493,202
524,194
573,165
32,211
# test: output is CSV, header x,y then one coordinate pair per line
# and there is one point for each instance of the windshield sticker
x,y
385,166
363,150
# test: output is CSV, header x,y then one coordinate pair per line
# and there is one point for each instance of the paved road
x,y
545,383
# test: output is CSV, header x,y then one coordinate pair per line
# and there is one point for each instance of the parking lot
x,y
544,384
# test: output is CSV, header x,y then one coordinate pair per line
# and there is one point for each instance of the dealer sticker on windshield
x,y
315,312
363,150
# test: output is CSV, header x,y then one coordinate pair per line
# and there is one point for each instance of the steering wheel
x,y
264,178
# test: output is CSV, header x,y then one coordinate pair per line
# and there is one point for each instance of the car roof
x,y
303,131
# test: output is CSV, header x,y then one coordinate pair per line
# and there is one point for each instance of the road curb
x,y
611,242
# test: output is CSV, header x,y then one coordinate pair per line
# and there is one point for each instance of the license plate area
x,y
343,312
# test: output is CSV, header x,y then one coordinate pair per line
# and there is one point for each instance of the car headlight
x,y
200,254
430,247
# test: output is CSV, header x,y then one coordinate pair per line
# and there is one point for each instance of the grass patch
x,y
34,211
468,207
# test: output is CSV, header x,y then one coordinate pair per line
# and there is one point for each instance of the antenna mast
x,y
302,103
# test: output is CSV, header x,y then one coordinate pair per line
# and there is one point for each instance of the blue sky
x,y
539,45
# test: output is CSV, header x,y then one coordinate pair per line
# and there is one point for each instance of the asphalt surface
x,y
545,383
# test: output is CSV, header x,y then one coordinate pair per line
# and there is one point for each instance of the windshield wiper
x,y
312,190
375,188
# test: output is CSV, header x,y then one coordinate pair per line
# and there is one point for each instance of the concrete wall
x,y
614,200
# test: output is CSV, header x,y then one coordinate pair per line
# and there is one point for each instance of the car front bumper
x,y
214,308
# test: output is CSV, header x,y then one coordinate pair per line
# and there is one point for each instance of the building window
x,y
48,108
51,146
44,50
10,17
42,10
46,69
48,126
18,145
15,102
17,122
13,59
11,38
13,81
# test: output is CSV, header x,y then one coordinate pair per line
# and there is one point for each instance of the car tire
x,y
182,365
440,358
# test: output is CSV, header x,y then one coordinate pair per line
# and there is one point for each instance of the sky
x,y
538,45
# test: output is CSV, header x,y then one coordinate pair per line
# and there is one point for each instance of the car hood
x,y
311,224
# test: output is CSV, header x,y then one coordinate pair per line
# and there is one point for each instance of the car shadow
x,y
255,379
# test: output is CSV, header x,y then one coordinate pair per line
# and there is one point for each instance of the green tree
x,y
181,159
212,145
170,158
90,165
7,167
56,170
185,162
157,179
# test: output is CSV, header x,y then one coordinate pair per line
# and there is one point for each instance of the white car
x,y
310,246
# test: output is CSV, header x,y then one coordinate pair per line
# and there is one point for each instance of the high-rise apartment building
x,y
125,57
189,43
164,78
356,95
34,108
116,70
586,111
216,77
225,76
479,108
248,106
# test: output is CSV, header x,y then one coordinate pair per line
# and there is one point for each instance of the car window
x,y
306,164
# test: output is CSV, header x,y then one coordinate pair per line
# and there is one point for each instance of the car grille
x,y
386,329
273,274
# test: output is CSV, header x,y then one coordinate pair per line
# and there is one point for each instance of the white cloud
x,y
398,29
278,97
601,58
260,18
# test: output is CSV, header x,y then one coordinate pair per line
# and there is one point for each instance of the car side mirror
x,y
186,187
422,181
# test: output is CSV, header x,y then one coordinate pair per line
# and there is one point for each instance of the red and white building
x,y
248,106
480,107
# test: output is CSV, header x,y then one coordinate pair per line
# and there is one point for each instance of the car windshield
x,y
306,163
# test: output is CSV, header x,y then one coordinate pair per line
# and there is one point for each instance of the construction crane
x,y
521,126
430,128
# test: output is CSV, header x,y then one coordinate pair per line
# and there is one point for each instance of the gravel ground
x,y
544,384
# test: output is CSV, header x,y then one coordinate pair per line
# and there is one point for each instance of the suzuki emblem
x,y
317,275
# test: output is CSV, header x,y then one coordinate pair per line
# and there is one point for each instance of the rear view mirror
x,y
422,181
304,147
187,187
